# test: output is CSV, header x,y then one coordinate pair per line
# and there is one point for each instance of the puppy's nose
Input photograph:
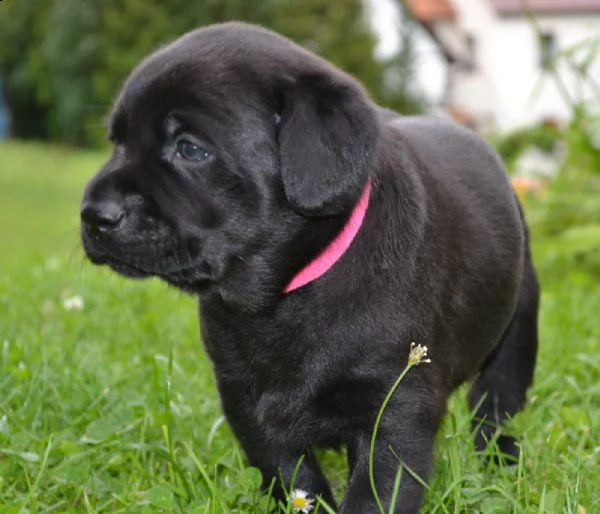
x,y
101,216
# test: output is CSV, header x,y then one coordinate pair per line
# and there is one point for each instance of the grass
x,y
113,408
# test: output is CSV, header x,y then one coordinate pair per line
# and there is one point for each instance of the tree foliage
x,y
62,61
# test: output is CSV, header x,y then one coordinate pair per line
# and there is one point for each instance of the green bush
x,y
512,145
63,61
22,26
565,217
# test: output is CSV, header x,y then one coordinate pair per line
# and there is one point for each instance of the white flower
x,y
52,264
417,355
73,303
300,501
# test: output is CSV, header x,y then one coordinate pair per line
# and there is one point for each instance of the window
x,y
547,50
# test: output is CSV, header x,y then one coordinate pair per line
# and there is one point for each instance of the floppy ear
x,y
327,140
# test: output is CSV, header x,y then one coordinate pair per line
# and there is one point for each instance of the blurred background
x,y
523,73
107,403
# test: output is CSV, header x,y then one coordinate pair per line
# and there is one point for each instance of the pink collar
x,y
334,250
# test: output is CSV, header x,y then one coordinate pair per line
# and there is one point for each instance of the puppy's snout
x,y
103,216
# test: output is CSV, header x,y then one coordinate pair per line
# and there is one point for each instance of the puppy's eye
x,y
190,151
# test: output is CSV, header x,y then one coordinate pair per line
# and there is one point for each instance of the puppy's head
x,y
229,144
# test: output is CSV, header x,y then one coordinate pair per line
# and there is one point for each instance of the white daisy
x,y
301,502
73,303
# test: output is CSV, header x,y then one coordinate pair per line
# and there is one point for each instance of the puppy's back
x,y
464,169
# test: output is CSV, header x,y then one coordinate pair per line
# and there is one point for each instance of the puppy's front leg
x,y
274,460
407,432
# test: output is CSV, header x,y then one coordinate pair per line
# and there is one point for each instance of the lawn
x,y
112,407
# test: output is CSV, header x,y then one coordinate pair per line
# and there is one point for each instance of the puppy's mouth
x,y
133,250
192,276
123,268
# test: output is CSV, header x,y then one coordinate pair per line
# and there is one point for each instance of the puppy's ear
x,y
327,140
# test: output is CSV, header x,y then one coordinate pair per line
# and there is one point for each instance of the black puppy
x,y
323,235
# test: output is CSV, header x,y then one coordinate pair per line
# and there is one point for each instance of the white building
x,y
490,65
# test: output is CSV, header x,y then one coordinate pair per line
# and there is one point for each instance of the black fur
x,y
442,258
